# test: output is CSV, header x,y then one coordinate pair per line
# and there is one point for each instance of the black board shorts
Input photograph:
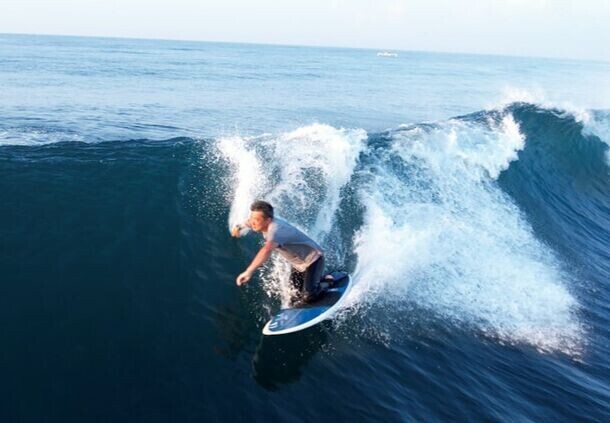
x,y
308,282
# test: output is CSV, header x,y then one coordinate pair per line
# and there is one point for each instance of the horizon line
x,y
460,53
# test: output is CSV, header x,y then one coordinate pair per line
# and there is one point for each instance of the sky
x,y
543,28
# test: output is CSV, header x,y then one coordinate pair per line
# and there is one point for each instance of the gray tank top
x,y
296,247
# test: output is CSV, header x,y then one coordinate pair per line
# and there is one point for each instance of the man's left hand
x,y
236,231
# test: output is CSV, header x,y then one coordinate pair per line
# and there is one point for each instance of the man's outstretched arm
x,y
261,257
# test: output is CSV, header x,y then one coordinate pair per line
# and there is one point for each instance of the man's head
x,y
261,215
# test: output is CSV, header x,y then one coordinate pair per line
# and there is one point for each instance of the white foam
x,y
466,149
249,179
511,94
441,234
537,96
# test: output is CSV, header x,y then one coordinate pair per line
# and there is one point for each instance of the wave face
x,y
561,182
481,239
441,235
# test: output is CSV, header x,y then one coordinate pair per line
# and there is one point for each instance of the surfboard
x,y
294,319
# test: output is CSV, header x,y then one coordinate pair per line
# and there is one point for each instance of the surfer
x,y
305,256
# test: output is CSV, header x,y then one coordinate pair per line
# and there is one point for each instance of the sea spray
x,y
300,173
440,234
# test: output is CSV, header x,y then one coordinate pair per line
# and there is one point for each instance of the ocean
x,y
468,196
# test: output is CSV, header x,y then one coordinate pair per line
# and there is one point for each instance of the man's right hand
x,y
243,278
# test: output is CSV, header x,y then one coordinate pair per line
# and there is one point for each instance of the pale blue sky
x,y
548,28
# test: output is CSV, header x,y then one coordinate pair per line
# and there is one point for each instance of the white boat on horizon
x,y
386,54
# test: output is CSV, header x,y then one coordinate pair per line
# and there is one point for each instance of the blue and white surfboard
x,y
291,320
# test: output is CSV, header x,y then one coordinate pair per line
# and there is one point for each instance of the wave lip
x,y
597,124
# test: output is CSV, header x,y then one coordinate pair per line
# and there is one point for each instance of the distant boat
x,y
386,54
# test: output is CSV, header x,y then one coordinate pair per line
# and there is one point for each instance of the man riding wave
x,y
305,256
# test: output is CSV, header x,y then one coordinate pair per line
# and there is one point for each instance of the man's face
x,y
259,222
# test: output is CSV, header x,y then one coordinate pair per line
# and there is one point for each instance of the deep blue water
x,y
468,195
